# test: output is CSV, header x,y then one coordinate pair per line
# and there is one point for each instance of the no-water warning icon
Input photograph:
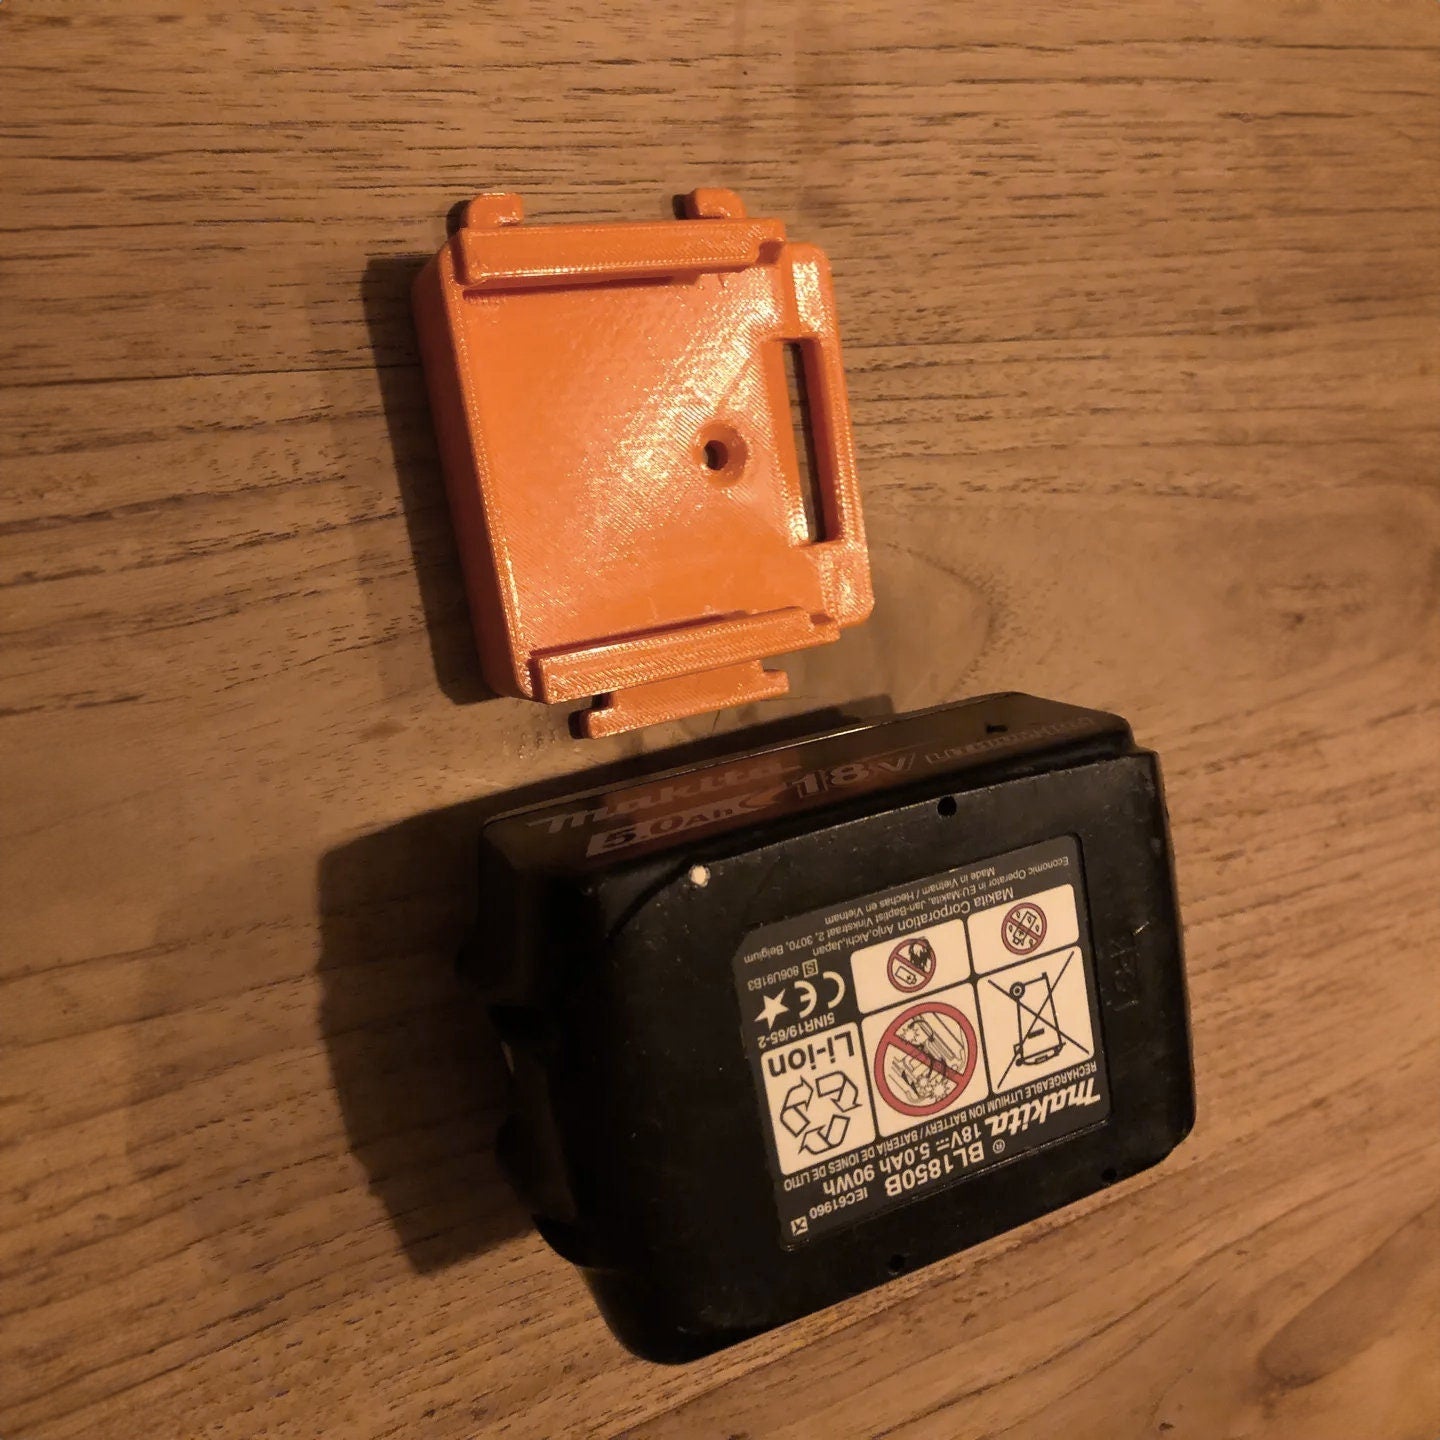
x,y
999,934
1023,928
925,1059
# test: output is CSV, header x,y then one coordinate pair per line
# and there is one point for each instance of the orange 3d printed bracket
x,y
616,432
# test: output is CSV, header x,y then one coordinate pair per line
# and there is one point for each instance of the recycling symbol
x,y
817,1115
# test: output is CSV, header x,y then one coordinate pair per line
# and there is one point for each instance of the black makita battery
x,y
789,1023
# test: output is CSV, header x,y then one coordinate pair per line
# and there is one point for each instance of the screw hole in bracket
x,y
721,453
947,806
897,1264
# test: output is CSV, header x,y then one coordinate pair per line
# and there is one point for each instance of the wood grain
x,y
1140,308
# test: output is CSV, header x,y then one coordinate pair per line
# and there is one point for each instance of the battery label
x,y
908,1038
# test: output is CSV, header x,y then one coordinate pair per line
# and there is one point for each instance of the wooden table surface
x,y
1140,307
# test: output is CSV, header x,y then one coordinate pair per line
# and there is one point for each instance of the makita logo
x,y
1019,1118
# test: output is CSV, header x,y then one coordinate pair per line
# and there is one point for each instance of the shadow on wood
x,y
385,294
417,1069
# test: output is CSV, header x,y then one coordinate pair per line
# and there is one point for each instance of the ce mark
x,y
808,994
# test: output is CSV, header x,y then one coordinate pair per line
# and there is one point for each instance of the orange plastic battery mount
x,y
615,425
